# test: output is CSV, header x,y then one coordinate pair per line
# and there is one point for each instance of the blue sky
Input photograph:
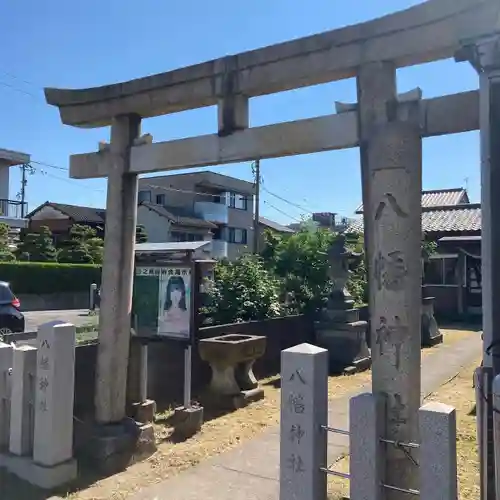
x,y
84,44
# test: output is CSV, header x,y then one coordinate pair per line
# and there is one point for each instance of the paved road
x,y
76,316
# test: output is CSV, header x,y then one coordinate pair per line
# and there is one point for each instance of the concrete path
x,y
78,317
251,471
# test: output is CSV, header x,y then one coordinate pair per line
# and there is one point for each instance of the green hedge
x,y
49,277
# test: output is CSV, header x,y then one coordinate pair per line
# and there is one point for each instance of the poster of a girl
x,y
175,314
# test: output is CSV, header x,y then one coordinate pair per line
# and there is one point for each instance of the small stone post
x,y
5,393
53,440
483,380
22,400
304,412
367,453
496,429
438,452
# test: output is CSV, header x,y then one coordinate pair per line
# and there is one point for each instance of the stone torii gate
x,y
387,129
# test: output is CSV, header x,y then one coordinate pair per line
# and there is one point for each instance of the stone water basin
x,y
231,358
232,349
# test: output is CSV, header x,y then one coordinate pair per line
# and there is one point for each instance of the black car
x,y
11,317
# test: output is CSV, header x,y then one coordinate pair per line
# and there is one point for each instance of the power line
x,y
282,212
71,181
186,191
27,82
296,205
16,89
49,165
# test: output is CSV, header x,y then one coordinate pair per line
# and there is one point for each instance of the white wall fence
x,y
304,438
36,407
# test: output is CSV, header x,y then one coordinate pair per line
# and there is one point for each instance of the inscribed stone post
x,y
438,452
53,439
304,410
117,275
5,393
22,400
367,453
391,152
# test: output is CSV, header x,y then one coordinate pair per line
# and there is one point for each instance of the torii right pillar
x,y
484,55
391,163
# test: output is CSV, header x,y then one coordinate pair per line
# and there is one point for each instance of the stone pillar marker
x,y
117,275
304,410
53,439
391,161
24,368
438,452
5,393
366,451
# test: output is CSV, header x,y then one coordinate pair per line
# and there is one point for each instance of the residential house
x,y
61,217
269,225
184,207
453,274
12,212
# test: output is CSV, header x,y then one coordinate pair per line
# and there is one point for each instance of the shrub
x,y
48,277
243,290
37,247
82,247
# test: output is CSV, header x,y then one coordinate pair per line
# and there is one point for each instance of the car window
x,y
6,294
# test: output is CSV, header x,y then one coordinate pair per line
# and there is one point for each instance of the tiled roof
x,y
439,198
275,226
444,197
462,218
75,212
178,216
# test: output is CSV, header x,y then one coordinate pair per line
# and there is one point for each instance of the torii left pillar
x,y
117,275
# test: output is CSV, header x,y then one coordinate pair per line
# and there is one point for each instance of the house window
x,y
241,202
160,199
238,201
441,270
144,196
180,236
217,234
238,236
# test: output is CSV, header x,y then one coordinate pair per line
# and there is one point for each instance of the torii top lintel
x,y
430,31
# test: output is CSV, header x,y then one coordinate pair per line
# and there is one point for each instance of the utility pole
x,y
23,188
26,168
256,235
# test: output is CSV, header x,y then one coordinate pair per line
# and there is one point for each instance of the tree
x,y
95,248
6,254
37,247
140,234
300,261
82,247
243,290
358,281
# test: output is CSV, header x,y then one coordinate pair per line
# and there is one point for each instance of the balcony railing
x,y
219,249
13,208
213,212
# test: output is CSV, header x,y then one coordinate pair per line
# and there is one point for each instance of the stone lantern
x,y
338,328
